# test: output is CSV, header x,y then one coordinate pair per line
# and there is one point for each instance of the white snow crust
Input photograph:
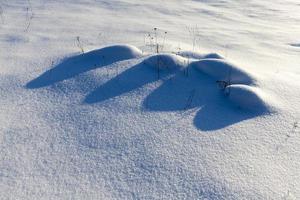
x,y
85,113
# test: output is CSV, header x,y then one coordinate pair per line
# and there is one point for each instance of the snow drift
x,y
211,64
77,64
199,56
166,61
239,85
248,98
116,53
222,70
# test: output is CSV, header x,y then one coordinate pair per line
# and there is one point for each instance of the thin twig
x,y
190,99
295,131
2,14
79,44
29,17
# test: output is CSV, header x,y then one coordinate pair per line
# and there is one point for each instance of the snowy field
x,y
89,110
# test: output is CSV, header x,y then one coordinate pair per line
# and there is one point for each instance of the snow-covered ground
x,y
120,122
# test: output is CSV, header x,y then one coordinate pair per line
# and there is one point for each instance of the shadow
x,y
179,91
182,93
78,64
211,117
129,80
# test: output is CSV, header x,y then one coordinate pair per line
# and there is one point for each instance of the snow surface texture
x,y
104,125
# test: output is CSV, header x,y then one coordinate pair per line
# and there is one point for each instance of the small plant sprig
x,y
190,99
296,125
156,43
294,132
164,41
150,40
2,14
194,35
226,50
79,44
29,15
224,83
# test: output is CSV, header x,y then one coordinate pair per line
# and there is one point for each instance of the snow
x,y
166,61
249,98
222,70
77,64
107,124
198,56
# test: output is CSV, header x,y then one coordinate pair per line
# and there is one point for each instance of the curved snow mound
x,y
224,71
116,53
166,61
77,64
249,98
199,56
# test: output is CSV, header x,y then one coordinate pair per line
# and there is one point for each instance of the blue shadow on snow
x,y
129,80
75,65
176,93
181,93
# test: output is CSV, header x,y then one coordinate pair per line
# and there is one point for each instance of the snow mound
x,y
116,53
77,64
199,56
166,61
249,98
239,85
222,70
